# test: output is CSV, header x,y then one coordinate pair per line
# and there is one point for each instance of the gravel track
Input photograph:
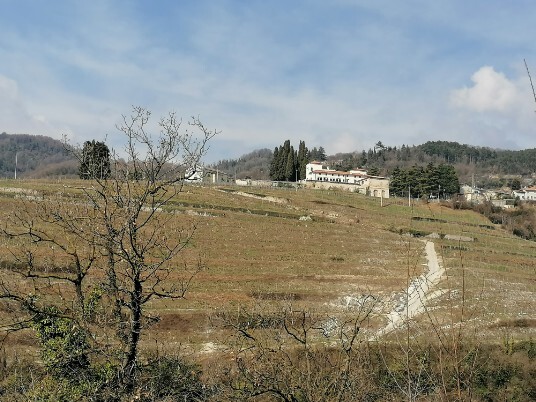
x,y
413,300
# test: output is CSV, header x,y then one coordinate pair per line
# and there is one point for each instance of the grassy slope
x,y
258,252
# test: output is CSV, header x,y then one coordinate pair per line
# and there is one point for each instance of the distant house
x,y
505,203
477,195
319,175
527,194
471,194
205,175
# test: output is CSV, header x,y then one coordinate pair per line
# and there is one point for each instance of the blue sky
x,y
342,74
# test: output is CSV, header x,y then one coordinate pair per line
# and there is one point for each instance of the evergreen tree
x,y
363,160
274,164
415,179
283,160
515,184
398,185
405,153
322,154
94,161
303,160
373,171
424,181
286,161
313,153
290,166
317,154
449,181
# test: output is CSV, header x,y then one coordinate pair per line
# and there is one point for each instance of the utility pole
x,y
16,163
409,197
296,180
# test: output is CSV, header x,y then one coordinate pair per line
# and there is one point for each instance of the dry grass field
x,y
270,248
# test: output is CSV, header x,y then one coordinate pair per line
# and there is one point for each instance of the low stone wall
x,y
253,183
374,187
326,185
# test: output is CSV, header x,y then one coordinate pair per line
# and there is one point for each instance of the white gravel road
x,y
413,300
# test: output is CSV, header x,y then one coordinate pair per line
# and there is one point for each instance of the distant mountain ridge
x,y
36,156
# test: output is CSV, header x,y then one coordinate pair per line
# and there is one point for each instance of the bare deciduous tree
x,y
99,252
297,355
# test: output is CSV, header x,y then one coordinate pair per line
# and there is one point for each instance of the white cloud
x,y
491,91
14,115
496,111
8,88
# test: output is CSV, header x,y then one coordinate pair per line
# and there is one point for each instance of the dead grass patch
x,y
258,251
515,323
186,322
258,295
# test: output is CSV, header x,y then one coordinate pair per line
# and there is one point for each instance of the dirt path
x,y
277,200
412,302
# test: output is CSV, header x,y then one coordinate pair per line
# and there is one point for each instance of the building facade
x,y
207,175
319,175
527,194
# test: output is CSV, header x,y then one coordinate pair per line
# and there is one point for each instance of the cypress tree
x,y
284,152
302,160
274,164
290,166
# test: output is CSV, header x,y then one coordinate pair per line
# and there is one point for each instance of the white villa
x,y
527,194
319,175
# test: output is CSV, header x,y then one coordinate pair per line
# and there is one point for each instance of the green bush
x,y
64,347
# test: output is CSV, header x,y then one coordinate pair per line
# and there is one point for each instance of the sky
x,y
341,74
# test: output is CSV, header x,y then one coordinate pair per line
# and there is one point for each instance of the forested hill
x,y
478,160
37,156
255,164
488,167
506,162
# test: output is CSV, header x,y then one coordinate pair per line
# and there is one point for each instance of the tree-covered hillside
x,y
35,156
502,161
255,164
487,167
262,164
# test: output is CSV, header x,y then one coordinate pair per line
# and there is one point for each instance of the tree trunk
x,y
129,367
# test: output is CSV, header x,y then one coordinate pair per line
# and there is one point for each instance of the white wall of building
x,y
321,176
